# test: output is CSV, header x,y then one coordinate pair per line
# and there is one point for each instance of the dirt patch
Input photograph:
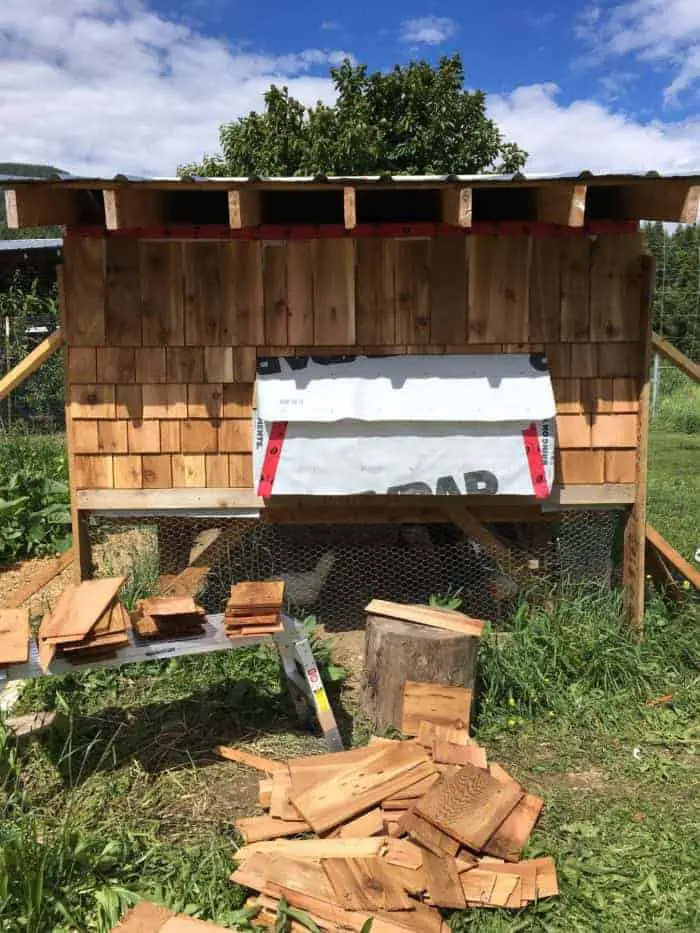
x,y
349,652
221,793
584,780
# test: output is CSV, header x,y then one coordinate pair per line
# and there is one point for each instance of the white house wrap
x,y
440,425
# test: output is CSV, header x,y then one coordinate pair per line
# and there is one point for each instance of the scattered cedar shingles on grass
x,y
402,872
437,703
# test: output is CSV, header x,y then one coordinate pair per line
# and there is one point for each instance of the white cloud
x,y
330,25
586,135
101,86
663,31
427,30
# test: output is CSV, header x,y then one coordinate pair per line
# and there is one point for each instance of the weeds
x,y
34,510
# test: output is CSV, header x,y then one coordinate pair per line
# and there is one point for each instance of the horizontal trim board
x,y
361,231
138,500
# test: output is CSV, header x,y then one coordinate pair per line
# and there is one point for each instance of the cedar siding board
x,y
163,336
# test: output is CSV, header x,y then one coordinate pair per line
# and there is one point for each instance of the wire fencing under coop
x,y
332,571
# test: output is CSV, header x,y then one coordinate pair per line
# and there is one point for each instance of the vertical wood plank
x,y
575,289
93,472
375,292
499,286
218,364
81,364
157,471
300,292
127,472
245,364
116,364
149,364
635,529
334,292
204,298
129,402
582,467
86,437
188,470
584,360
412,283
185,364
241,471
275,293
244,317
615,288
123,293
205,400
111,437
236,436
84,291
620,466
545,290
216,470
170,437
162,294
449,290
143,437
199,437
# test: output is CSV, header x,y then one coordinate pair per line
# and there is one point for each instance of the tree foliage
x,y
677,295
416,119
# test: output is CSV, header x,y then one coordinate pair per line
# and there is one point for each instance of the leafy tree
x,y
677,295
416,119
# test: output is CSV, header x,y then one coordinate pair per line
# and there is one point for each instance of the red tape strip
x,y
273,452
535,461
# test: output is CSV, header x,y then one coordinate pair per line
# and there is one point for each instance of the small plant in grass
x,y
142,579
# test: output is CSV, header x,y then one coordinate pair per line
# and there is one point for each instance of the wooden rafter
x,y
24,369
569,203
673,355
671,555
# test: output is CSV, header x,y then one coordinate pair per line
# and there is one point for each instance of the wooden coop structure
x,y
173,290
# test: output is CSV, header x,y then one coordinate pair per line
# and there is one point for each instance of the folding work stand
x,y
305,684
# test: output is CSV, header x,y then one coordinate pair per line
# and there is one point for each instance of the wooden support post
x,y
243,208
673,355
633,576
82,551
24,369
663,578
350,208
561,204
457,206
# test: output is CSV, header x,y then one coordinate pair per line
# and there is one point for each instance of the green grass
x,y
674,488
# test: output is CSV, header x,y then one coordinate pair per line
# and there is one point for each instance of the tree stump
x,y
397,651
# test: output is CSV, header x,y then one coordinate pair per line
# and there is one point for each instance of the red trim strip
x,y
271,460
361,231
535,462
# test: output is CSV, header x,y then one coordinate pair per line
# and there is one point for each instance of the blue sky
x,y
100,86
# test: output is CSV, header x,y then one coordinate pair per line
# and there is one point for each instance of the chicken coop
x,y
380,386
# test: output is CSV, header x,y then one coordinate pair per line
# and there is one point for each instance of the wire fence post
x,y
655,377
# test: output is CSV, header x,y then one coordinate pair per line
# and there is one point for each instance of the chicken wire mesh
x,y
332,571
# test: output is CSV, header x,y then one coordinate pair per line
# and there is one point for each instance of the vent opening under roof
x,y
288,208
401,205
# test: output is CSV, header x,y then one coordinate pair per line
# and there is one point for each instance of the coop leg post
x,y
305,680
635,528
82,547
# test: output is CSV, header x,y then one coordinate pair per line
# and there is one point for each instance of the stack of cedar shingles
x,y
404,827
254,608
167,617
87,624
